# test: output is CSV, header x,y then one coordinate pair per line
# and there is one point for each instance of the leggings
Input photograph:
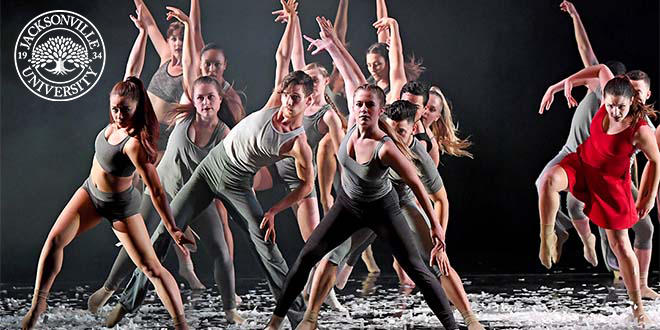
x,y
384,217
214,179
210,230
563,222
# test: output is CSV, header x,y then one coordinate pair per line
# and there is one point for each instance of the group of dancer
x,y
366,149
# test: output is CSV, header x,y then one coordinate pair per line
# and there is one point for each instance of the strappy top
x,y
111,157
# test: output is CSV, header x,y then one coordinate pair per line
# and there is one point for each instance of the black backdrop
x,y
493,59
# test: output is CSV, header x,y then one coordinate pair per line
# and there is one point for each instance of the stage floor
x,y
553,301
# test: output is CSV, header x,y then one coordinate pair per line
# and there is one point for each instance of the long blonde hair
x,y
445,131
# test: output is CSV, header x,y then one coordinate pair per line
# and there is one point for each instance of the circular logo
x,y
59,55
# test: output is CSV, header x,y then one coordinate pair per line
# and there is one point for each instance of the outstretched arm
x,y
283,54
645,140
381,12
600,71
189,59
392,157
341,29
348,68
136,57
302,153
549,95
156,37
397,64
584,46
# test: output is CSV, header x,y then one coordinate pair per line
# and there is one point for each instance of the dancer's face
x,y
643,90
617,106
417,100
377,66
213,64
122,109
207,101
175,42
433,109
320,82
403,128
367,107
294,101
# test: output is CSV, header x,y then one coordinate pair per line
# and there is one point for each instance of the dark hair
x,y
298,78
412,67
417,88
401,110
189,108
621,86
616,67
639,75
211,46
144,123
175,28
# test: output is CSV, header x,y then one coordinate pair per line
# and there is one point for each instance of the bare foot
x,y
306,325
342,276
275,323
562,237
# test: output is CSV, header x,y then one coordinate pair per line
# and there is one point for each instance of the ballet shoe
x,y
648,293
38,307
472,322
562,237
232,316
589,250
98,299
547,251
116,315
275,323
309,321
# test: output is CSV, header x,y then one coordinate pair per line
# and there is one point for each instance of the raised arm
x,y
584,46
381,12
189,57
341,29
156,37
392,157
147,171
196,25
136,57
302,153
549,95
297,53
600,71
645,140
344,62
283,53
397,64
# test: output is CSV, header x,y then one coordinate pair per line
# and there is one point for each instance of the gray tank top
x,y
111,157
166,86
182,155
254,142
372,80
363,182
427,172
311,125
581,122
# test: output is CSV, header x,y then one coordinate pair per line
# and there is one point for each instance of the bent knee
x,y
151,268
554,180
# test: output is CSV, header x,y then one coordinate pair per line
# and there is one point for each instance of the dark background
x,y
493,59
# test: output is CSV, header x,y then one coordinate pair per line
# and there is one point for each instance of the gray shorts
x,y
113,206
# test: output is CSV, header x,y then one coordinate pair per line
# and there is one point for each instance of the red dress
x,y
599,174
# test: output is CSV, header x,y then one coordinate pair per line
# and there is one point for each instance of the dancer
x,y
598,174
579,132
259,140
643,229
365,154
124,146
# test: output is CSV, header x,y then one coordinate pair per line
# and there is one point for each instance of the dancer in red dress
x,y
598,174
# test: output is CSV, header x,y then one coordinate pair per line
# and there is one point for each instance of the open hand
x,y
268,223
180,239
138,20
547,100
384,24
177,13
568,88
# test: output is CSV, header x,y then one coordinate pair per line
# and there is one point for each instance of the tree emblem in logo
x,y
59,50
59,55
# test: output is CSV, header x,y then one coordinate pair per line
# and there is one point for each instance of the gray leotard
x,y
254,142
363,182
111,156
166,86
372,80
182,155
427,171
